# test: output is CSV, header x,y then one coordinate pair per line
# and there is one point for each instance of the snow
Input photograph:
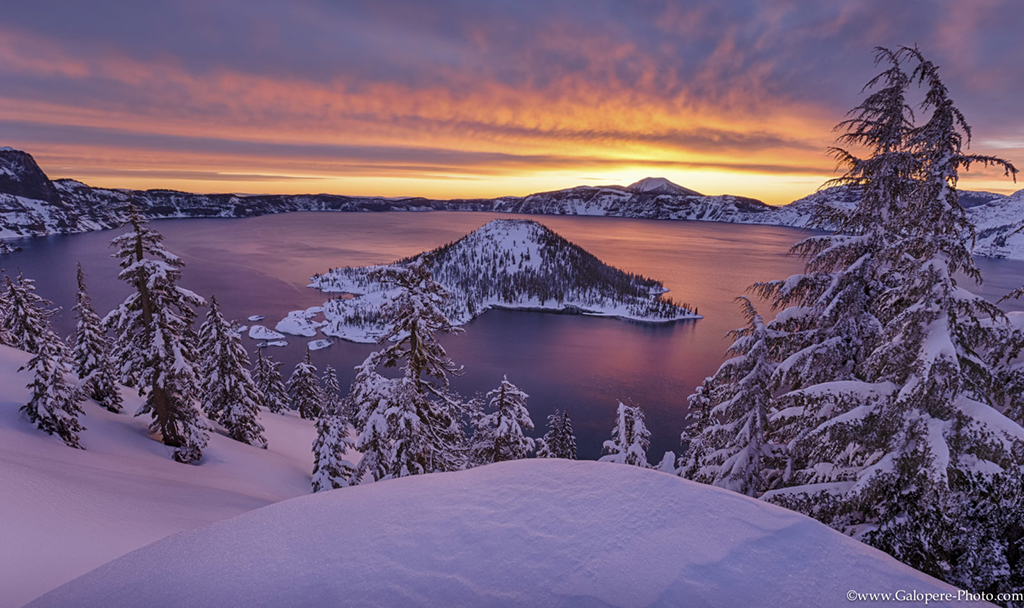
x,y
255,318
272,343
301,322
541,532
65,511
320,344
258,332
661,184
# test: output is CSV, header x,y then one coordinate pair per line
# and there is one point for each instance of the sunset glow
x,y
445,100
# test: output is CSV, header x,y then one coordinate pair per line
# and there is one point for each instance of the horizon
x,y
445,100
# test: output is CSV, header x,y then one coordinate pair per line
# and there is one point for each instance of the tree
x,y
892,374
154,344
273,395
559,441
332,392
306,395
630,438
91,353
410,425
331,470
26,322
229,394
728,445
54,404
501,434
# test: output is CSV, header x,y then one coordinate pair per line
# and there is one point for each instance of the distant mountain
x,y
505,264
32,205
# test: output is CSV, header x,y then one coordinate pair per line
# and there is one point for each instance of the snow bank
x,y
522,533
258,332
64,511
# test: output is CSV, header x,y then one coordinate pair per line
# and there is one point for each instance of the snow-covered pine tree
x,y
273,393
728,446
501,434
371,398
332,392
890,409
54,404
559,441
229,394
306,395
421,416
154,344
91,353
331,469
630,438
26,322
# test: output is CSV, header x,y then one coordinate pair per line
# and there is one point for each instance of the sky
x,y
469,98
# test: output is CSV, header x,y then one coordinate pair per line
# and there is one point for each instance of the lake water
x,y
262,266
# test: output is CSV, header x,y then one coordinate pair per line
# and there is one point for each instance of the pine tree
x,y
332,392
306,395
559,441
728,446
91,353
154,344
26,322
273,393
229,394
415,421
501,434
630,438
892,374
54,405
330,468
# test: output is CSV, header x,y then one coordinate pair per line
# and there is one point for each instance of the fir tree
x,y
371,397
154,344
332,392
891,373
54,404
728,446
559,441
91,353
630,438
331,470
273,393
501,434
26,322
306,395
229,394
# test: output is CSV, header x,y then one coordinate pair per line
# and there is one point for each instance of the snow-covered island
x,y
517,264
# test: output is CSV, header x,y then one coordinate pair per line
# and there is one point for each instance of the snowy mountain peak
x,y
660,184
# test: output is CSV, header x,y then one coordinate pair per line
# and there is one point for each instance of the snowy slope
x,y
997,223
521,533
506,263
65,511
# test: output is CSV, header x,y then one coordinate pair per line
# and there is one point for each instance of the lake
x,y
262,265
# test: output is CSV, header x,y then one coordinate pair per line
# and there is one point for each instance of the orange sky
x,y
398,104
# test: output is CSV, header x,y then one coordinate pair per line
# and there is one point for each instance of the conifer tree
x,y
229,394
371,397
54,404
892,374
26,322
332,392
273,394
501,434
91,353
306,395
154,345
559,441
331,470
630,438
728,446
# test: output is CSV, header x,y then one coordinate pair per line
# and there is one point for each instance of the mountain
x,y
504,264
32,205
997,223
537,532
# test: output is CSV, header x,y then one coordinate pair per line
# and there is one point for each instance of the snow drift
x,y
521,533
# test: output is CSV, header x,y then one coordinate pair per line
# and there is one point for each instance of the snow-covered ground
x,y
521,533
65,511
